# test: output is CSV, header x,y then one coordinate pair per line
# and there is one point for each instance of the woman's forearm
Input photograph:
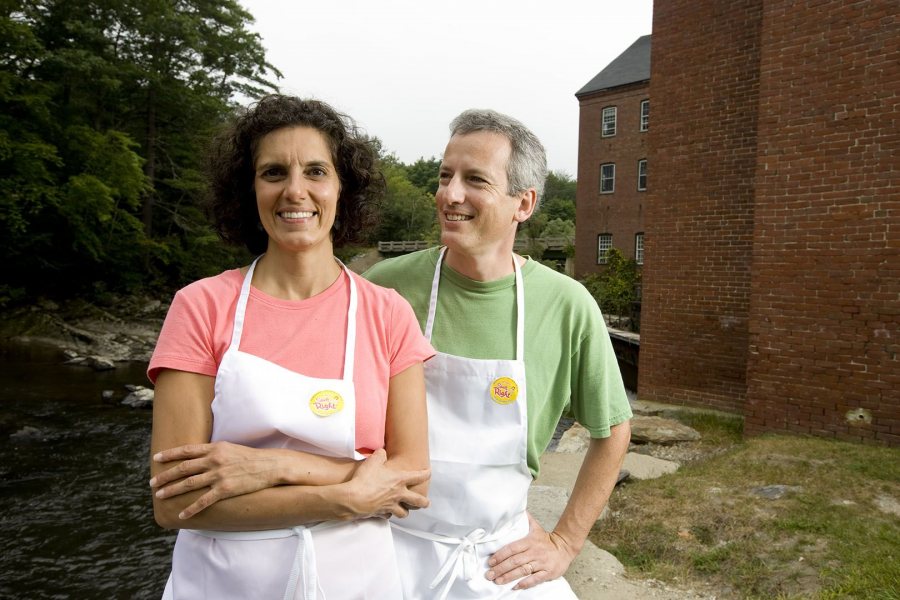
x,y
374,490
270,508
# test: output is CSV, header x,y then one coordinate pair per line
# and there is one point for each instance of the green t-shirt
x,y
569,360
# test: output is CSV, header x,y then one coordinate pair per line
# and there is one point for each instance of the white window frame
x,y
608,122
642,174
645,115
639,248
611,178
604,243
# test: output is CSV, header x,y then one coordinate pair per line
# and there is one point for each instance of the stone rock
x,y
642,466
27,434
546,504
593,570
48,305
560,469
888,505
648,409
139,397
107,395
661,431
96,362
774,492
151,306
100,363
576,439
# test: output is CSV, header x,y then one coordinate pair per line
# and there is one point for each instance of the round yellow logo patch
x,y
504,390
326,403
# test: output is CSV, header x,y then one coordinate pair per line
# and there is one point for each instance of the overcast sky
x,y
404,69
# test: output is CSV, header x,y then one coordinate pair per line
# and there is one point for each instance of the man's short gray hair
x,y
527,166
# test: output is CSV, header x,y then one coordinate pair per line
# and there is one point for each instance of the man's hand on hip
x,y
538,557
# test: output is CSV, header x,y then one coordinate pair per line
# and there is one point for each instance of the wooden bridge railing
x,y
553,244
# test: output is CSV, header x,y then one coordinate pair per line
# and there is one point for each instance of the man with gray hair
x,y
518,346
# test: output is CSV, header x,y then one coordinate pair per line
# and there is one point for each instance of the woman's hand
x,y
226,469
377,489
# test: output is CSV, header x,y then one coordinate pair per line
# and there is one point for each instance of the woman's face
x,y
297,188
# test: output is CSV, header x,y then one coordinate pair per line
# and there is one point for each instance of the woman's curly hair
x,y
231,169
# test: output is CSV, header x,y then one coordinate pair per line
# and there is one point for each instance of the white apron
x,y
261,404
477,434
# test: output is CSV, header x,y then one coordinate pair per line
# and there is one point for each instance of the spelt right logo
x,y
504,390
326,403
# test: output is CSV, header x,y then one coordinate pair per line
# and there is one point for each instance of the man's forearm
x,y
595,482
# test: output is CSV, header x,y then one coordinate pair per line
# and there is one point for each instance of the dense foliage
x,y
408,211
616,288
105,110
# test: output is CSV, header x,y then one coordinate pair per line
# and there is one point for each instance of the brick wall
x,y
698,216
619,213
824,337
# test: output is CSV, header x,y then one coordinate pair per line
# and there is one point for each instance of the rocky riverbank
x,y
97,335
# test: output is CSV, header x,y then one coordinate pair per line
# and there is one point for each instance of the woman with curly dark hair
x,y
289,416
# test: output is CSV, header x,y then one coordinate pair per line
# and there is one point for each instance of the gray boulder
x,y
139,397
660,431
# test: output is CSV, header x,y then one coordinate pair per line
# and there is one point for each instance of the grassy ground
x,y
834,533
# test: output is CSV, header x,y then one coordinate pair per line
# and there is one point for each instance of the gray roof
x,y
631,66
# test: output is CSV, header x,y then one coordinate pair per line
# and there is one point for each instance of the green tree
x,y
408,211
559,185
559,208
559,228
105,107
615,289
424,174
559,197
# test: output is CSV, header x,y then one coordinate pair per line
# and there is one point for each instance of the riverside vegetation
x,y
105,113
771,517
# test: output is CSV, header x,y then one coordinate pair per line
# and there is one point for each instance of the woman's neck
x,y
295,275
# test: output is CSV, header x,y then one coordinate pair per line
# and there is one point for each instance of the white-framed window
x,y
645,115
607,178
604,243
608,121
642,175
639,248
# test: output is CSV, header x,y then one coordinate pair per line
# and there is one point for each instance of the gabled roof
x,y
631,66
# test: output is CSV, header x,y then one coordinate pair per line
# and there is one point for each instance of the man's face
x,y
474,208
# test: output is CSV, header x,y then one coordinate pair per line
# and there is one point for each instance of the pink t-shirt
x,y
306,336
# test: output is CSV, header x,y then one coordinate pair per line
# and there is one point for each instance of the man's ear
x,y
527,204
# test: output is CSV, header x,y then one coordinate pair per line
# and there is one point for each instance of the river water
x,y
75,508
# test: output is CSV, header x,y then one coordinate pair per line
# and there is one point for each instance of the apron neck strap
x,y
350,348
241,308
520,304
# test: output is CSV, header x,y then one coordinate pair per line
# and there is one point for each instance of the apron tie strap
x,y
464,556
305,561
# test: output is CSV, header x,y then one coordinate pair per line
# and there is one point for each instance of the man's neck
x,y
485,266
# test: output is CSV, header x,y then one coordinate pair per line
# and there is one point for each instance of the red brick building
x,y
771,281
612,159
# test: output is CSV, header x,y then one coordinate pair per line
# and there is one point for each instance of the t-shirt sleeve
x,y
186,339
407,344
599,400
